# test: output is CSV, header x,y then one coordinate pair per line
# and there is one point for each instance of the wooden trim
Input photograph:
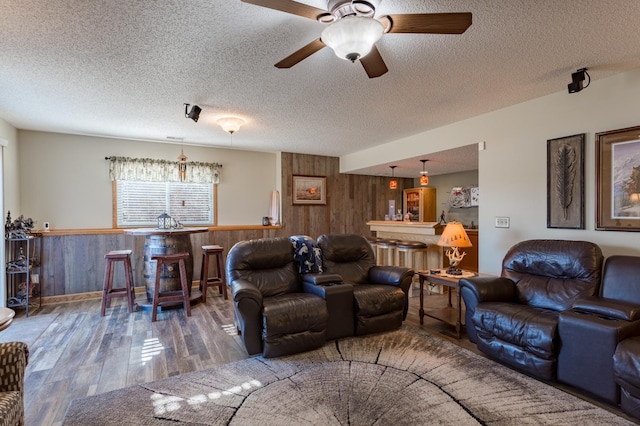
x,y
93,295
101,231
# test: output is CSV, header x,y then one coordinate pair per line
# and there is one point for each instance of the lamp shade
x,y
352,37
230,124
454,235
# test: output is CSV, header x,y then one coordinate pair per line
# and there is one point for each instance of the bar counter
x,y
425,232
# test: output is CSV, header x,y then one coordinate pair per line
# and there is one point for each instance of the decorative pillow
x,y
307,253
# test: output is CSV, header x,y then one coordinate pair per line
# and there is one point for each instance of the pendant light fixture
x,y
182,165
393,183
424,179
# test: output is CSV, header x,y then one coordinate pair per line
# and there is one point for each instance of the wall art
x,y
565,182
309,190
618,180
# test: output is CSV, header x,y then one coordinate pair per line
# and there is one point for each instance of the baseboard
x,y
90,295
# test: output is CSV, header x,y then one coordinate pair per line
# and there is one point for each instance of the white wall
x,y
9,187
444,183
64,178
512,169
11,190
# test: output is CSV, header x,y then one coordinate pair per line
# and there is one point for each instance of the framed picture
x,y
309,190
618,180
565,182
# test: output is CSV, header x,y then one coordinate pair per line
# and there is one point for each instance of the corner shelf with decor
x,y
23,250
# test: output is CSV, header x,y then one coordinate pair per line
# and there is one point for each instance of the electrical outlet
x,y
502,222
35,278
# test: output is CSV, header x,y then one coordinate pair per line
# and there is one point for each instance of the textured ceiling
x,y
123,68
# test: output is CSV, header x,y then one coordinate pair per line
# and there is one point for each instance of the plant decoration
x,y
565,176
19,228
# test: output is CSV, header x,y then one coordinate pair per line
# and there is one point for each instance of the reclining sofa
x,y
514,318
279,310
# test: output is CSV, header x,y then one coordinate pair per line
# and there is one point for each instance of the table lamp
x,y
454,237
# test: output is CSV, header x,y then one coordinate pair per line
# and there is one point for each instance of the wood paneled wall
x,y
74,264
352,200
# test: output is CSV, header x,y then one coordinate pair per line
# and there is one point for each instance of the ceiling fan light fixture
x,y
230,124
352,37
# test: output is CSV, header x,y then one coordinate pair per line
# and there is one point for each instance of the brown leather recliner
x,y
590,332
380,293
514,318
273,313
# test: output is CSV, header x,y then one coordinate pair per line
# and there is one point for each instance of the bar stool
x,y
108,292
385,251
173,296
411,254
219,280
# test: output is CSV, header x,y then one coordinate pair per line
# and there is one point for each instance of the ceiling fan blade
x,y
301,54
374,64
430,23
289,6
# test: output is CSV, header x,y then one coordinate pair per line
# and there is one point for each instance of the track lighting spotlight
x,y
194,114
576,81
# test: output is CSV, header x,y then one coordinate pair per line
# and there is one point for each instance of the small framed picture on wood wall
x,y
565,182
309,190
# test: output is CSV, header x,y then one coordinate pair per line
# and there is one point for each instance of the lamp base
x,y
454,270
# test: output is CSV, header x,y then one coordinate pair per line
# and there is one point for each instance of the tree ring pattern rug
x,y
404,377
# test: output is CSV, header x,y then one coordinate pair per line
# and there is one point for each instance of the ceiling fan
x,y
353,30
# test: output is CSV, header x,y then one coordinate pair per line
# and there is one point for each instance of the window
x,y
140,203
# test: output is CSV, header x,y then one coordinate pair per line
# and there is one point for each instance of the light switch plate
x,y
502,222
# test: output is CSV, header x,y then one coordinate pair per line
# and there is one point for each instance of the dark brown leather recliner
x,y
626,369
514,318
273,314
590,332
380,293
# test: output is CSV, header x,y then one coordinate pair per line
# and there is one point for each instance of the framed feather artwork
x,y
565,182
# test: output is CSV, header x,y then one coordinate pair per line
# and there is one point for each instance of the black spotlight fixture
x,y
576,80
194,114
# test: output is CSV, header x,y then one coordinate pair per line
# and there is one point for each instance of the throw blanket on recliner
x,y
306,253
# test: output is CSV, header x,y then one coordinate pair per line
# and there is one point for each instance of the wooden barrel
x,y
170,273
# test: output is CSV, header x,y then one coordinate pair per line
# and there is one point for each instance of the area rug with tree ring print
x,y
404,377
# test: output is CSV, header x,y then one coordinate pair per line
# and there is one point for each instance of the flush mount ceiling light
x,y
352,37
230,124
576,81
424,179
393,183
194,114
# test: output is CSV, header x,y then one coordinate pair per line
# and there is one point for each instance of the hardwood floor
x,y
80,353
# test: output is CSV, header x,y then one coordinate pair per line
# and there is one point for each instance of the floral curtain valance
x,y
150,170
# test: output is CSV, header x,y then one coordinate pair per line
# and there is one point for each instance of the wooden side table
x,y
449,314
6,317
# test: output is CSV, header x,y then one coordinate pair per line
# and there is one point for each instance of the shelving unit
x,y
23,272
420,203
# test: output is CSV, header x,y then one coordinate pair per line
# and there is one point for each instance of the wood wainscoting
x,y
73,260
